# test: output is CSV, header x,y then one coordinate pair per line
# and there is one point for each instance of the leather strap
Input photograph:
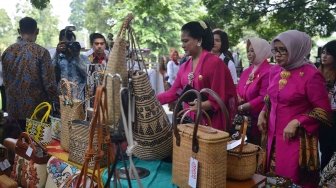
x,y
195,145
98,125
221,104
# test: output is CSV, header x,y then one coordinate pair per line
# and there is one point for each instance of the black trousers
x,y
327,138
3,97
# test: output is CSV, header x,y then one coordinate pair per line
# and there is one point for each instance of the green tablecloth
x,y
160,174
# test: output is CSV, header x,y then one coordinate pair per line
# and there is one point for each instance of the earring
x,y
199,44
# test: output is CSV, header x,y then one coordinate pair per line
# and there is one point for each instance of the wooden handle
x,y
195,145
243,130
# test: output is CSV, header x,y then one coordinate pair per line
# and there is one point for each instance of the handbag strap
x,y
221,104
195,145
97,124
39,108
25,140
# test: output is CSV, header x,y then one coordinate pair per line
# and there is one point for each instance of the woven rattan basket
x,y
242,160
205,144
117,65
152,130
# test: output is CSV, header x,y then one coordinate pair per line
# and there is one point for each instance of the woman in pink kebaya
x,y
253,84
203,70
299,104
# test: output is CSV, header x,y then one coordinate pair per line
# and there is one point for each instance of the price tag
x,y
6,163
29,151
2,166
193,167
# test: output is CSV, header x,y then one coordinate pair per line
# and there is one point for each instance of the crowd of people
x,y
288,101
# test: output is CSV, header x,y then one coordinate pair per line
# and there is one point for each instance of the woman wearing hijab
x,y
203,70
253,84
327,134
299,104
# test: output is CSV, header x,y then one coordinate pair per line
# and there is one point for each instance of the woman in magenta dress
x,y
203,70
299,101
253,84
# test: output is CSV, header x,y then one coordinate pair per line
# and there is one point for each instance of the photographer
x,y
68,61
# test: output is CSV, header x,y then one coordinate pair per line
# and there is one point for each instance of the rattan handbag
x,y
152,130
203,143
40,130
69,110
242,160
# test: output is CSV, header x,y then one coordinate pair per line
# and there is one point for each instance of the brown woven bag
x,y
242,160
206,144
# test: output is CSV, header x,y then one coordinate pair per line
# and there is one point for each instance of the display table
x,y
255,182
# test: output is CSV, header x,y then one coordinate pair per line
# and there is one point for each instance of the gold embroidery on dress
x,y
320,115
283,81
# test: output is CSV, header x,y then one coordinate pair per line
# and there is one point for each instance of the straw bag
x,y
152,130
68,110
40,130
97,125
205,144
242,160
30,163
79,141
117,65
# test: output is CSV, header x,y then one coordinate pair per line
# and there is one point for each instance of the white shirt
x,y
172,70
232,69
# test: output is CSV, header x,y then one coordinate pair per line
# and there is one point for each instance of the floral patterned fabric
x,y
29,78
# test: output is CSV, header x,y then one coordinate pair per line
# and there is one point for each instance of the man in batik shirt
x,y
28,74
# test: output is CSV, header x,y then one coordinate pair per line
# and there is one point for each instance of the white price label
x,y
2,166
193,167
6,163
29,151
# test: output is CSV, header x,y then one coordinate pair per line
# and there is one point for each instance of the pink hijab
x,y
262,49
298,45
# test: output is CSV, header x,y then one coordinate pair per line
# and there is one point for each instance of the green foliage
x,y
6,30
40,4
46,22
269,18
157,23
77,13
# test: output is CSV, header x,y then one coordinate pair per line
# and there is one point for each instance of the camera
x,y
72,47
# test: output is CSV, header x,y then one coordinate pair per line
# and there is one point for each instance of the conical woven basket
x,y
152,130
117,65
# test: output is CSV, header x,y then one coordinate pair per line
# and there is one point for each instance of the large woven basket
x,y
242,160
152,130
203,143
117,65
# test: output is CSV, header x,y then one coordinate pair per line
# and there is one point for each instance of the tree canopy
x,y
268,18
158,21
